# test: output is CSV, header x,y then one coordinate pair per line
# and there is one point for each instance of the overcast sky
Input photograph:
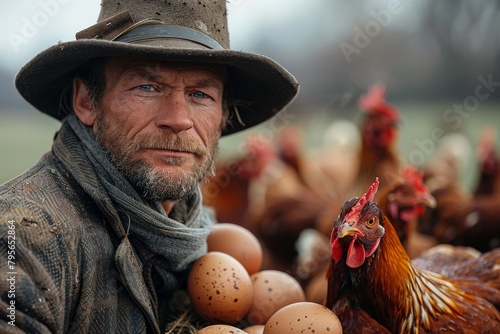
x,y
29,26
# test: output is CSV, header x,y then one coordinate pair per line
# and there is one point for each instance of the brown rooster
x,y
489,164
240,186
379,133
403,202
377,157
405,199
270,177
373,287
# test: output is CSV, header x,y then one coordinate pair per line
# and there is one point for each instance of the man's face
x,y
160,124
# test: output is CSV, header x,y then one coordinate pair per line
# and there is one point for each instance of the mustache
x,y
171,141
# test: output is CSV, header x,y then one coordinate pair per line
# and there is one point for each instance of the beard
x,y
154,183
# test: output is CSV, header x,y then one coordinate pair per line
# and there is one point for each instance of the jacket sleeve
x,y
31,276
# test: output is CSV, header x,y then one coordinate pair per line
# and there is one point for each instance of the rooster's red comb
x,y
373,102
256,144
415,178
367,197
486,143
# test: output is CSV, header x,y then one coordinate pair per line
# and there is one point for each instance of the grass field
x,y
25,137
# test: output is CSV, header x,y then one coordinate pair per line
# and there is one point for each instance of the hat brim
x,y
263,84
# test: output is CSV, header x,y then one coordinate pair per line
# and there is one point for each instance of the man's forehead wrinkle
x,y
144,71
153,72
209,83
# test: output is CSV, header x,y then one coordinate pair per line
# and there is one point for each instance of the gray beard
x,y
149,183
155,186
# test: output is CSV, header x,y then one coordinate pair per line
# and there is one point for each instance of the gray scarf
x,y
177,244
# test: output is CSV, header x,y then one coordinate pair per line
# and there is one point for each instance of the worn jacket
x,y
58,268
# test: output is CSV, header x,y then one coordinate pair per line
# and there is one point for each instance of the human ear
x,y
82,105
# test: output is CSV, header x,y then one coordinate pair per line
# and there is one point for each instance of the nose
x,y
174,113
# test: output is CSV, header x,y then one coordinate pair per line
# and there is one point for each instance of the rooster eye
x,y
370,222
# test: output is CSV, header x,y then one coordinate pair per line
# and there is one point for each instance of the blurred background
x,y
439,61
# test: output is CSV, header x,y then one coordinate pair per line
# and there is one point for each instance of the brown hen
x,y
372,277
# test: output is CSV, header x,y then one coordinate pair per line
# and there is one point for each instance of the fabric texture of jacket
x,y
62,275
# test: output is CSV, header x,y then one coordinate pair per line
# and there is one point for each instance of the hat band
x,y
147,32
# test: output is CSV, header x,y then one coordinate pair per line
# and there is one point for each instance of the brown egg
x,y
255,329
220,329
238,242
304,317
272,290
219,288
317,288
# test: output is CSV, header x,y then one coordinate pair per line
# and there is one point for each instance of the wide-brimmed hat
x,y
167,30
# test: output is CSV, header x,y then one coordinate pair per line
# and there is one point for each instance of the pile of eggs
x,y
226,287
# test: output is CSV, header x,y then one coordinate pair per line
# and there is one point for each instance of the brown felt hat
x,y
177,30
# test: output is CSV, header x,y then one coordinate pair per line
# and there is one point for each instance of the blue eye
x,y
146,88
199,94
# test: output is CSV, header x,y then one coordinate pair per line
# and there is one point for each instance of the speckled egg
x,y
272,290
220,329
303,317
238,242
219,288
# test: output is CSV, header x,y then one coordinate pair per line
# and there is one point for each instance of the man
x,y
97,236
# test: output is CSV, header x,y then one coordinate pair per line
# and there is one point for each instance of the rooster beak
x,y
428,199
348,229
